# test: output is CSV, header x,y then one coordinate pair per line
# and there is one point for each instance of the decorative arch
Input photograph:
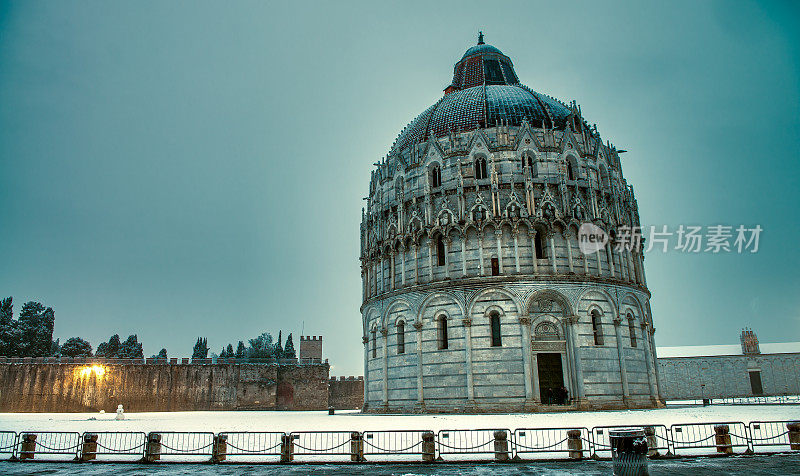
x,y
431,297
566,308
494,308
545,329
391,307
514,298
611,302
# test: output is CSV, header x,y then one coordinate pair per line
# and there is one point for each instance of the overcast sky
x,y
183,169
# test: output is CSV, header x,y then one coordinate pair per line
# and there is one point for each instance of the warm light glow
x,y
97,370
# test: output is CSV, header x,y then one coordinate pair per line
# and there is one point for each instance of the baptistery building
x,y
478,294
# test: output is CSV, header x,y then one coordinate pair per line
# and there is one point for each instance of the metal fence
x,y
53,445
8,443
322,445
550,443
187,445
246,446
471,443
129,445
684,439
393,445
695,439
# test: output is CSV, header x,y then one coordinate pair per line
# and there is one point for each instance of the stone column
x,y
464,255
365,340
623,368
535,372
599,263
610,257
553,253
468,354
447,243
430,261
525,330
532,234
576,357
416,263
420,397
380,273
403,266
498,233
651,373
480,251
567,235
391,270
516,251
385,333
585,264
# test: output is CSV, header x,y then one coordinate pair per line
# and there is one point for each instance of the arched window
x,y
401,337
596,329
570,171
632,329
442,331
374,343
440,251
538,242
528,162
398,186
495,266
480,168
604,181
494,319
436,176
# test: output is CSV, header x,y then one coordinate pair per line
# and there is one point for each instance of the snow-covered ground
x,y
354,421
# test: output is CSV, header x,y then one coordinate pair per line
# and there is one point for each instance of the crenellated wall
x,y
139,387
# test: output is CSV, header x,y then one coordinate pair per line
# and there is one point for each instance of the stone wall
x,y
346,393
69,387
728,376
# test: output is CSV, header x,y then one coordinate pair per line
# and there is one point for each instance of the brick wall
x,y
346,393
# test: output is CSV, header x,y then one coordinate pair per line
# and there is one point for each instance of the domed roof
x,y
485,92
481,49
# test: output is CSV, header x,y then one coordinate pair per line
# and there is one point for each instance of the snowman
x,y
120,412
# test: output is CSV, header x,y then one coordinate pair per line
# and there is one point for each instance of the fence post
x,y
500,445
220,451
722,438
153,451
287,448
574,444
28,446
652,443
794,434
356,447
428,447
89,448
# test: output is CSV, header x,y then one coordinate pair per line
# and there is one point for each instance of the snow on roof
x,y
725,349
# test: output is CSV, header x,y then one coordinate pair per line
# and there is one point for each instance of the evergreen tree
x,y
6,311
76,347
162,354
10,334
262,347
131,348
200,349
110,349
279,347
241,350
36,323
229,351
289,352
55,348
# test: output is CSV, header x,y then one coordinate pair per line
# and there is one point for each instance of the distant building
x,y
310,349
709,372
476,295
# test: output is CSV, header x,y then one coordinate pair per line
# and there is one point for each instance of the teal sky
x,y
176,169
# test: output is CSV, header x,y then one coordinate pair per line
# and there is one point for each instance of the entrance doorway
x,y
551,379
755,382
